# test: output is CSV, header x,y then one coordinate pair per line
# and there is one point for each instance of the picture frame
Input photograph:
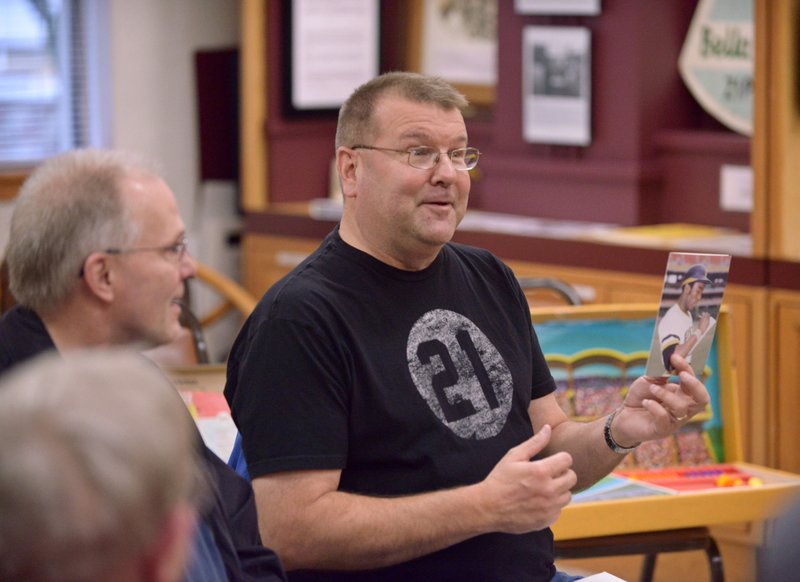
x,y
456,41
556,88
565,7
335,47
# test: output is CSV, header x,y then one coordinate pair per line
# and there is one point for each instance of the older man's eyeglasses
x,y
177,250
425,157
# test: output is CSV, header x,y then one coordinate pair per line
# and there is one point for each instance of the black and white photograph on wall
x,y
556,85
571,7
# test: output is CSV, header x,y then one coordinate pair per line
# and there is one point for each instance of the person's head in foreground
x,y
98,471
96,237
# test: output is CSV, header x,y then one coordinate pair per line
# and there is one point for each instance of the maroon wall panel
x,y
633,172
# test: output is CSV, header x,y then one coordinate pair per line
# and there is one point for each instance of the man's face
x,y
148,285
401,214
692,294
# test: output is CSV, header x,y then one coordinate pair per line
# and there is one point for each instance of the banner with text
x,y
716,61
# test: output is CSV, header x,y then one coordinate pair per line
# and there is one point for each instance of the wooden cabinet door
x,y
749,336
267,258
784,358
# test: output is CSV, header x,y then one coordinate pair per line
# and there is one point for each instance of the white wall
x,y
154,107
153,111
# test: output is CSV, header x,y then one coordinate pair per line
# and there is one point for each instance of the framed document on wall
x,y
335,47
456,40
556,85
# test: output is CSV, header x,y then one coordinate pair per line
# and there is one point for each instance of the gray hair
x,y
70,206
356,115
96,450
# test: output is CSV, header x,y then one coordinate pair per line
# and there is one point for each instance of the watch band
x,y
612,444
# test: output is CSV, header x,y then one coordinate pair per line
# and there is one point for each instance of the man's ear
x,y
346,165
97,276
169,555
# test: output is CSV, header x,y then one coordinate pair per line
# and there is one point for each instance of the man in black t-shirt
x,y
397,416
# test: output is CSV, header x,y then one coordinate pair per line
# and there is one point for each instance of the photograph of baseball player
x,y
690,302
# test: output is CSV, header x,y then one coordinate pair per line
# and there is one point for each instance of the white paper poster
x,y
716,61
335,48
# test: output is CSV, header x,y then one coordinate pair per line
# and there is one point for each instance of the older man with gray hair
x,y
98,471
97,256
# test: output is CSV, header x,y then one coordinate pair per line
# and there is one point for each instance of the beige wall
x,y
152,86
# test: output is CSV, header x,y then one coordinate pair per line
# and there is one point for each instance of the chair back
x,y
541,291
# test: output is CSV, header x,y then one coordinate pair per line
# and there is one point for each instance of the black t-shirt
x,y
406,381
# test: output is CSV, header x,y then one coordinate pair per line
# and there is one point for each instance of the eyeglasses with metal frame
x,y
177,249
425,157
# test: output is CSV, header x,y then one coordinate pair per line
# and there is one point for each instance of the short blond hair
x,y
356,114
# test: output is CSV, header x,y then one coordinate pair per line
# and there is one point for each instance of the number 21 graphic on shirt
x,y
460,374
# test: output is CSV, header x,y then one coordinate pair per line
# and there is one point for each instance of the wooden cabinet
x,y
776,131
749,335
784,372
267,258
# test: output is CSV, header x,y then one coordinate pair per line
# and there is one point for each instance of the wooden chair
x,y
541,291
233,295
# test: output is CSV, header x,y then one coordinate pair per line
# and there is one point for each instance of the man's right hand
x,y
311,524
527,495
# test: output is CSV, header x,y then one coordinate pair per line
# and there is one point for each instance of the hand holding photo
x,y
690,301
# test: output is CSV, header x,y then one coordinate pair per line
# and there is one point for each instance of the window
x,y
45,91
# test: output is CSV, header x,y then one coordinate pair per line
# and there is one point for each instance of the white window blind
x,y
44,79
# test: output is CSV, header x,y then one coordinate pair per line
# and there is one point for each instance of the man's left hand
x,y
655,408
